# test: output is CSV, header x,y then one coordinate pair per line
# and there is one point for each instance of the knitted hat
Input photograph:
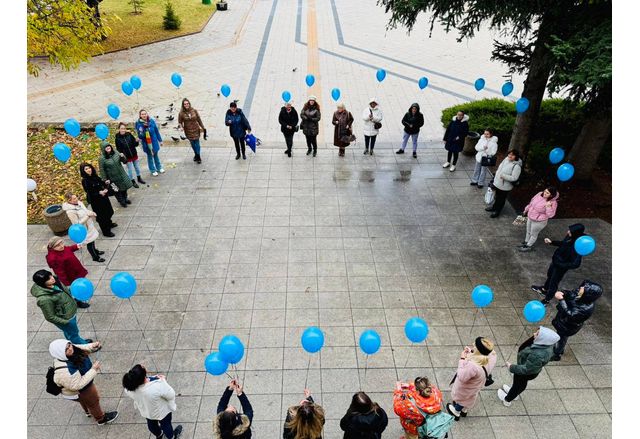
x,y
312,98
481,347
57,349
373,100
54,241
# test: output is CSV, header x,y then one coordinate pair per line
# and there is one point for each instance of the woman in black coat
x,y
365,419
126,144
574,308
98,196
288,120
565,258
454,139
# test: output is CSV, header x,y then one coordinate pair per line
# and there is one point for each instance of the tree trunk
x,y
587,148
534,87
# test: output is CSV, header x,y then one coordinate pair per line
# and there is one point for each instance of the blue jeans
x,y
414,140
457,406
195,145
154,162
479,174
72,332
130,166
163,427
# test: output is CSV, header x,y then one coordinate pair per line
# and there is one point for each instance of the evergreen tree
x,y
137,6
170,20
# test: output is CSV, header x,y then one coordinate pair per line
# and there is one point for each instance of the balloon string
x,y
366,357
524,328
474,320
143,337
95,334
229,375
306,379
408,356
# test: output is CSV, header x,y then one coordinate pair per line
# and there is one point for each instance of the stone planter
x,y
57,219
470,143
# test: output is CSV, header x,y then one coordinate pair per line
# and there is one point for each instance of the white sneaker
x,y
452,168
501,396
155,174
507,389
452,411
162,170
446,164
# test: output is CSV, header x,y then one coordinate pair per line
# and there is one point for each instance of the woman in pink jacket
x,y
474,367
542,206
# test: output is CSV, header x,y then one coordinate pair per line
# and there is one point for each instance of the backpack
x,y
52,387
435,426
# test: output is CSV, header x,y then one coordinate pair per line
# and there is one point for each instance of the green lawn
x,y
132,30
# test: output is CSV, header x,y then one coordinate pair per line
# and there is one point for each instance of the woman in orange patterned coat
x,y
405,398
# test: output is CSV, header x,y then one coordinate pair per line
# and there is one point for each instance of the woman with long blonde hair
x,y
474,368
305,420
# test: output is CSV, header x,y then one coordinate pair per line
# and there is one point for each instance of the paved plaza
x,y
266,247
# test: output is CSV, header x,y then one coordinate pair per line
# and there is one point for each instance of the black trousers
x,y
554,276
121,196
288,139
312,142
558,349
501,198
91,248
454,155
162,426
105,224
519,384
239,144
369,142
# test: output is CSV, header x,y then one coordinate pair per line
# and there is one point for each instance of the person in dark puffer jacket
x,y
565,258
574,308
228,423
364,419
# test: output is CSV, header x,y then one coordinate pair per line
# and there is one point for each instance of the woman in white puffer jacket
x,y
487,146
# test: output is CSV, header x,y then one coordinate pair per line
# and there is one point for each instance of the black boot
x,y
309,151
315,151
133,182
198,159
141,181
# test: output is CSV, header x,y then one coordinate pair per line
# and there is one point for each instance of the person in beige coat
x,y
155,400
79,214
74,374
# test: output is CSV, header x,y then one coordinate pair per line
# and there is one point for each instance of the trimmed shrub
x,y
170,21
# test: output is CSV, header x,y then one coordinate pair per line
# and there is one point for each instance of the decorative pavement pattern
x,y
265,247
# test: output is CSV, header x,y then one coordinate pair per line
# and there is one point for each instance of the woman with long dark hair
x,y
364,419
98,197
539,211
154,399
305,420
151,140
189,120
74,374
126,145
229,423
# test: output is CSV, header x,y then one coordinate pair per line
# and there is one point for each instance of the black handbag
x,y
377,125
490,160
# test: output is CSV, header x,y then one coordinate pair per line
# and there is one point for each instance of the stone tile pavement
x,y
255,47
265,247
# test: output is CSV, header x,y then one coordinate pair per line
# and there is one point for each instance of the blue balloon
x,y
585,245
312,339
176,79
335,94
565,172
113,110
231,349
81,289
123,285
380,75
482,295
62,152
479,84
423,82
127,88
214,364
136,82
522,105
102,131
72,127
286,96
416,329
225,90
507,88
556,155
77,233
310,80
370,342
534,311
